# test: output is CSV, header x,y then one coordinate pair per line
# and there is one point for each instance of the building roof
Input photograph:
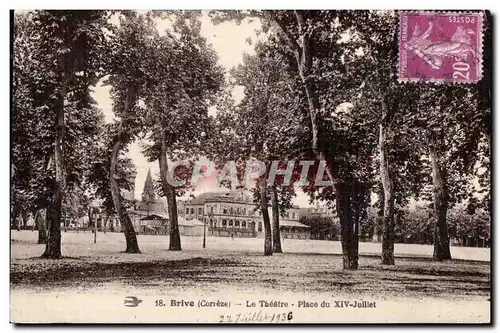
x,y
200,199
225,196
288,223
192,222
317,210
154,217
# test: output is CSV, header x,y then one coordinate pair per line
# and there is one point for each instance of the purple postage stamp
x,y
440,47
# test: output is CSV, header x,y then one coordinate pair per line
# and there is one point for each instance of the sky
x,y
229,40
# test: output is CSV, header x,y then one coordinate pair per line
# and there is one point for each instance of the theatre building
x,y
233,214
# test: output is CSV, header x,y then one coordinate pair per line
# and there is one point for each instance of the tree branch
x,y
290,39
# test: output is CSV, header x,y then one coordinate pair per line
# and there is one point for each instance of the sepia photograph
x,y
251,166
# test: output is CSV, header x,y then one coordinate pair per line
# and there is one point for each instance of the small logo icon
x,y
131,301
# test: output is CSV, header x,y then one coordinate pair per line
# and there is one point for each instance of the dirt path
x,y
92,285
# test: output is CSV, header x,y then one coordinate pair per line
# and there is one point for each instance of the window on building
x,y
238,210
224,210
200,211
237,224
192,210
293,216
211,209
260,226
187,211
211,223
231,210
230,223
224,223
243,224
244,211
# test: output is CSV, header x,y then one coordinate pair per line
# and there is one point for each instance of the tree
x,y
309,41
415,225
322,227
265,130
98,177
76,40
468,226
128,80
268,243
296,31
281,200
449,117
485,105
41,225
59,59
75,205
183,79
400,165
276,220
30,149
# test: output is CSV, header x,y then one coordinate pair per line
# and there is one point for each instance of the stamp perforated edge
x,y
480,47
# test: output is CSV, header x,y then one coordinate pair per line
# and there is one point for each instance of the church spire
x,y
148,193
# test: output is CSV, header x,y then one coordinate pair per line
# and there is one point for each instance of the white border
x,y
187,4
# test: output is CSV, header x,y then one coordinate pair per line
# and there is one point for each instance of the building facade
x,y
234,214
225,214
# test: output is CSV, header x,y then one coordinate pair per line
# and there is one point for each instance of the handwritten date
x,y
256,317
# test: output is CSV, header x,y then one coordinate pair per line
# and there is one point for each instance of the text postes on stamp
x,y
440,47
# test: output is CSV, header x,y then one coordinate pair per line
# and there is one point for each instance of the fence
x,y
231,232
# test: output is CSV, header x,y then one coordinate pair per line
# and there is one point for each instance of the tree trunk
x,y
91,221
95,230
125,221
349,237
276,221
388,186
304,63
24,217
14,215
169,191
379,219
53,247
33,213
441,238
105,223
268,242
41,224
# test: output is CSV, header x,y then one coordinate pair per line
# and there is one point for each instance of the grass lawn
x,y
454,291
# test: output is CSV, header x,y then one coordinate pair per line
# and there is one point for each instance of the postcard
x,y
251,166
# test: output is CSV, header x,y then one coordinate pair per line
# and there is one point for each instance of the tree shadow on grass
x,y
288,272
104,272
